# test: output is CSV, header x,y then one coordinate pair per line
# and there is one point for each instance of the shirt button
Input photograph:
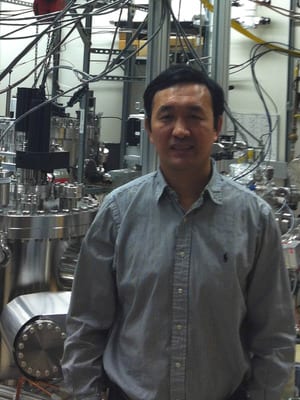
x,y
179,327
180,290
182,254
178,365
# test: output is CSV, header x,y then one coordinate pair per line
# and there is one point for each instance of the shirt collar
x,y
160,184
213,188
215,184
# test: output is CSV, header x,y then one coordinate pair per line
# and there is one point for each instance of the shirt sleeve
x,y
270,326
91,311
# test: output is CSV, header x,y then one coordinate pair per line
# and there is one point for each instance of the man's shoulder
x,y
230,184
241,194
133,188
135,183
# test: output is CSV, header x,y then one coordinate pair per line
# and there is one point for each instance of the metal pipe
x,y
84,103
157,61
221,45
291,136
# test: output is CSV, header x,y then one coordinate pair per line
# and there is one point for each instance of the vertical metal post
x,y
8,100
56,58
221,44
157,61
84,103
129,70
291,135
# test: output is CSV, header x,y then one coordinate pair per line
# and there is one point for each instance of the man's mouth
x,y
181,146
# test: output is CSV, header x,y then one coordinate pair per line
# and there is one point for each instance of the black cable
x,y
114,37
280,10
122,58
92,79
30,45
267,145
54,49
184,39
41,63
255,56
260,92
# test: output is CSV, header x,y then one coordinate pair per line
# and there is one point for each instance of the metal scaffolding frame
x,y
157,61
158,57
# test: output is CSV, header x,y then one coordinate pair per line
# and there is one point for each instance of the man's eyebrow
x,y
192,107
195,107
165,108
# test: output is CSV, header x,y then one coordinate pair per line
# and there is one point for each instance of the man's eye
x,y
165,117
196,116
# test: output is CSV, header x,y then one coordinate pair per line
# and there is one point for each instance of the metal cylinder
x,y
38,244
4,187
33,329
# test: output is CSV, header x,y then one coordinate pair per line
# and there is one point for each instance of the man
x,y
180,291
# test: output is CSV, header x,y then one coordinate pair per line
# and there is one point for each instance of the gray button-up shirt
x,y
176,305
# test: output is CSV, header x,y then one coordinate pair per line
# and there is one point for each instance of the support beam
x,y
86,35
291,129
221,43
157,61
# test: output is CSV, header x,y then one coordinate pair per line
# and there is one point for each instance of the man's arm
x,y
91,311
270,327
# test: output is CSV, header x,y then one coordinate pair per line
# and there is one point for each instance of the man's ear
x,y
148,128
219,126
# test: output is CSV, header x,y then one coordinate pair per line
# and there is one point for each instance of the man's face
x,y
182,128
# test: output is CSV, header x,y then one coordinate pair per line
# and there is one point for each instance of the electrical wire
x,y
235,25
115,64
51,29
114,37
32,44
257,53
99,12
185,42
15,84
282,11
121,59
77,20
271,46
238,128
259,91
41,19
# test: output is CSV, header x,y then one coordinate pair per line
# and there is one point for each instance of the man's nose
x,y
180,129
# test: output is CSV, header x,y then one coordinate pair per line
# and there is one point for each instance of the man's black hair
x,y
181,73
